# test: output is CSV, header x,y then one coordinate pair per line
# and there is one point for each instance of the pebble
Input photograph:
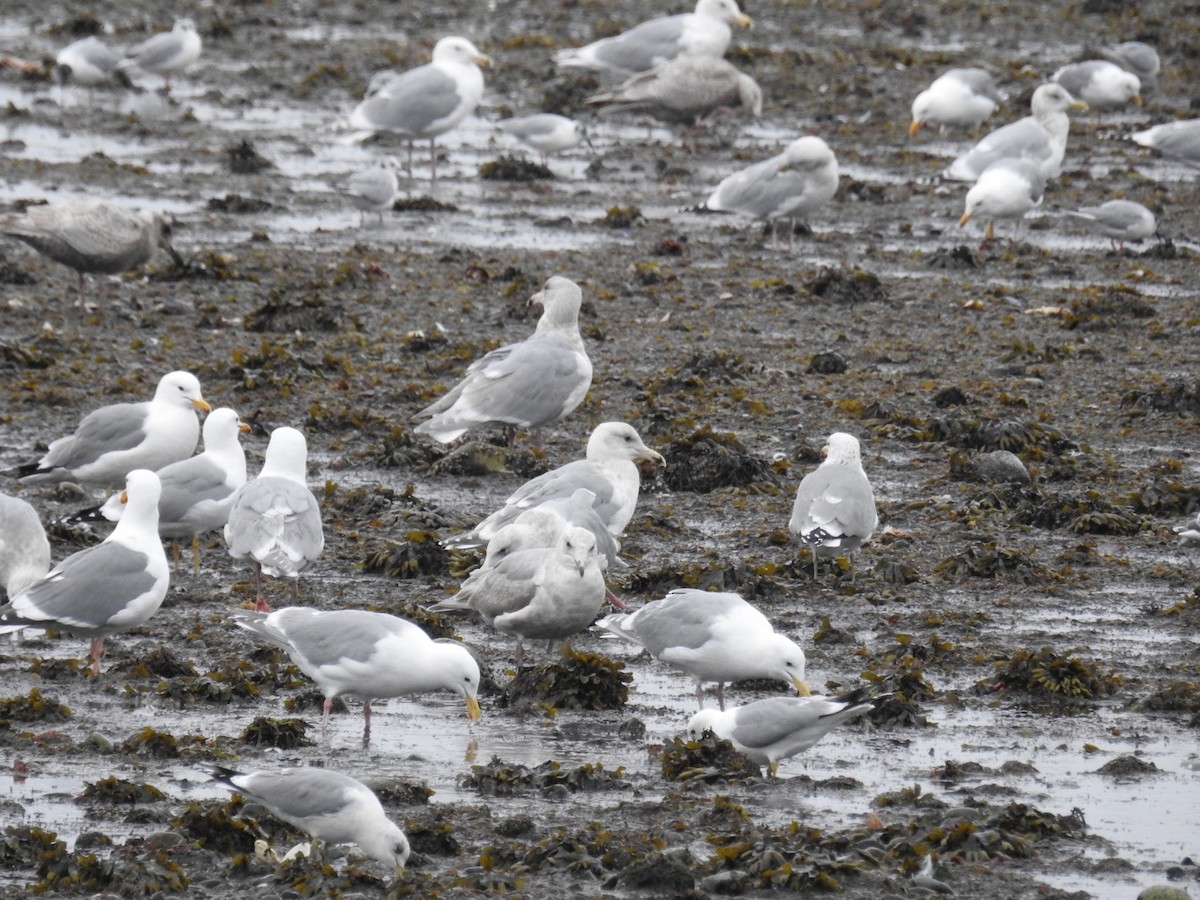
x,y
1001,467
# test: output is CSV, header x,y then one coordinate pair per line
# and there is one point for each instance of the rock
x,y
1001,467
1162,892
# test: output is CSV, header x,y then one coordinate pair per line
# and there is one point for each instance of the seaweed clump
x,y
113,790
709,759
513,168
33,707
707,460
501,779
577,680
1047,673
216,826
419,554
284,734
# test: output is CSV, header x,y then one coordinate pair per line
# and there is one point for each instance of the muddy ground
x,y
1042,638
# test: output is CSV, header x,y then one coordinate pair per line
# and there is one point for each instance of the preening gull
x,y
712,637
332,807
93,236
24,550
1118,220
168,52
686,89
113,586
775,728
798,181
609,470
525,385
373,189
537,594
546,133
1178,140
834,510
275,519
1137,57
704,32
958,98
87,61
1007,189
367,655
1100,84
197,492
428,100
1040,138
113,440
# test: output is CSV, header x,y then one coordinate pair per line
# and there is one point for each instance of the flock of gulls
x,y
550,544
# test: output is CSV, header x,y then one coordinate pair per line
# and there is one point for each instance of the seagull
x,y
1189,534
332,807
704,32
1007,189
167,52
373,189
608,471
536,382
1137,57
197,492
1177,140
686,89
88,62
114,586
958,98
1100,84
24,550
428,100
113,440
798,181
1118,220
546,133
775,728
835,507
275,519
356,653
712,637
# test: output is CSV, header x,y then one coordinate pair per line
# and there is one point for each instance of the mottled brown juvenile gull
x,y
1007,189
704,32
537,594
1118,220
367,655
525,385
958,98
197,492
775,728
546,133
1100,84
791,185
686,89
332,807
712,637
87,61
373,190
114,586
275,519
24,550
1177,140
113,440
93,236
167,52
1040,138
428,100
609,470
834,510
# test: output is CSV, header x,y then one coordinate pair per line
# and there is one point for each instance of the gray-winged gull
x,y
834,511
87,61
373,189
1006,189
367,655
1137,57
197,492
428,100
712,637
24,550
608,469
1100,84
114,586
524,385
113,440
775,728
1177,140
167,52
546,133
332,807
958,98
686,89
275,519
791,185
1040,138
1118,220
1190,533
703,32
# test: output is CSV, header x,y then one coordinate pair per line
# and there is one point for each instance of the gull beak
x,y
483,60
1137,98
801,687
966,217
201,404
244,428
1078,105
653,456
473,709
124,496
914,127
744,21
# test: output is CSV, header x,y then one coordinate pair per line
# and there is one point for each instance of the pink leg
x,y
260,602
700,694
327,709
614,600
97,653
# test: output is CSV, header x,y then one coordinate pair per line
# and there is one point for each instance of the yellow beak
x,y
1137,98
1078,105
473,710
244,428
743,20
801,687
201,404
483,60
124,496
914,128
966,217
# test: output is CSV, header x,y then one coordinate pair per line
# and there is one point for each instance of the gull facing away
x,y
87,62
331,807
536,382
24,550
1177,140
1100,84
1137,57
275,519
1007,189
1040,138
609,471
114,586
167,52
775,728
711,637
834,510
546,133
93,237
704,32
798,181
197,492
373,190
368,655
958,98
113,440
687,89
428,100
1118,220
